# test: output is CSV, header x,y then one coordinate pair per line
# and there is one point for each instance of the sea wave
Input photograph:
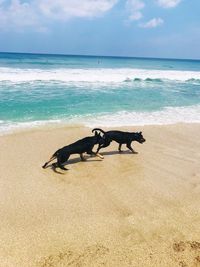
x,y
168,115
97,75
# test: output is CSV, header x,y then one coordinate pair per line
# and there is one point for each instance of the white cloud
x,y
20,14
62,9
168,3
153,23
17,14
134,8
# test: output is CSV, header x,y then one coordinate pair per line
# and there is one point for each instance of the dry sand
x,y
126,210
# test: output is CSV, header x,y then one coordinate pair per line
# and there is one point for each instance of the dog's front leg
x,y
95,154
129,146
99,147
99,155
120,145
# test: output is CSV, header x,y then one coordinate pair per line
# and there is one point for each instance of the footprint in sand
x,y
187,253
89,256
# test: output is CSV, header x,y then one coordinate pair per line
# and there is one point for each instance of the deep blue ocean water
x,y
96,91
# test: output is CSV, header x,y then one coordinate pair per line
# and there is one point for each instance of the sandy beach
x,y
125,210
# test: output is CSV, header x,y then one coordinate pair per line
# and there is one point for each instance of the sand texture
x,y
125,210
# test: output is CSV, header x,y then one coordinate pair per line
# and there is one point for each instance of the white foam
x,y
169,115
93,75
9,126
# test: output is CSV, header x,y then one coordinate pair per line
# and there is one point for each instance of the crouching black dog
x,y
79,147
121,138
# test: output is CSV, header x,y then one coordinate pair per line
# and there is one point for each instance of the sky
x,y
135,28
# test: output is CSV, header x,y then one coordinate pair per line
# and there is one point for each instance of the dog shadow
x,y
116,152
91,159
73,161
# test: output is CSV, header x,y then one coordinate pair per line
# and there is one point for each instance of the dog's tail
x,y
52,158
45,165
98,129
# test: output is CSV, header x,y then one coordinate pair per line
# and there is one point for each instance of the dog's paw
x,y
100,156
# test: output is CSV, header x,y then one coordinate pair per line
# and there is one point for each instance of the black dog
x,y
121,138
84,145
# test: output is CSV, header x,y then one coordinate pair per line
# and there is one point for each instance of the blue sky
x,y
140,28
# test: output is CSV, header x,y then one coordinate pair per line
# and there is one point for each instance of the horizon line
x,y
107,56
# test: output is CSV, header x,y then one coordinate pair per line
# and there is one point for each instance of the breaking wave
x,y
103,75
168,115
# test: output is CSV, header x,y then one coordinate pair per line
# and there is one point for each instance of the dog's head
x,y
139,137
98,138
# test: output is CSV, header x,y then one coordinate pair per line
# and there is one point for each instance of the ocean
x,y
37,89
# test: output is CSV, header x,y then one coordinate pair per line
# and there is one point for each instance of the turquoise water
x,y
96,91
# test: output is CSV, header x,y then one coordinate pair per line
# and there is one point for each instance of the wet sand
x,y
125,210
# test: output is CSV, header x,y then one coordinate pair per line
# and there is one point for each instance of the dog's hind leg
x,y
45,165
62,167
82,157
54,165
61,160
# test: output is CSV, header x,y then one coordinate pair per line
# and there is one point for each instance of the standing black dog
x,y
79,147
121,138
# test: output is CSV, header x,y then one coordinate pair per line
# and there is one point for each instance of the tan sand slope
x,y
126,210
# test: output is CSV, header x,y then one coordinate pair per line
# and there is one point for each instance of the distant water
x,y
96,91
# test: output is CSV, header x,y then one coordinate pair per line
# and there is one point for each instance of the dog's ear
x,y
140,132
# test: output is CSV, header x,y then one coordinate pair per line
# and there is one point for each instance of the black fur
x,y
121,138
79,147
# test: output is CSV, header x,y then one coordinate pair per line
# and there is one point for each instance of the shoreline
x,y
43,126
125,210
